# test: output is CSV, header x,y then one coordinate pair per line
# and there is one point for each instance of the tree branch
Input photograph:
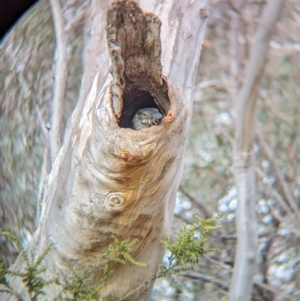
x,y
235,48
206,278
247,96
60,80
274,291
274,193
245,259
202,209
285,188
110,180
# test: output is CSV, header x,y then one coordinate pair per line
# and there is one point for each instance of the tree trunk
x,y
108,179
245,258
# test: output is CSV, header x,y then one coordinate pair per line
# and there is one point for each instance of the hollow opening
x,y
134,101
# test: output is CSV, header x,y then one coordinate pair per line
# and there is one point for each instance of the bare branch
x,y
43,126
290,219
275,193
274,291
285,188
236,7
205,278
203,210
247,96
60,80
245,259
46,165
235,47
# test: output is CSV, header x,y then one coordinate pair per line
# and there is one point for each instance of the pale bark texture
x,y
60,76
244,169
108,179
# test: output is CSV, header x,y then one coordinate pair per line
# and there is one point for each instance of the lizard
x,y
145,118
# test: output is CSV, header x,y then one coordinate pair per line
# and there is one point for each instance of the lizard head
x,y
145,118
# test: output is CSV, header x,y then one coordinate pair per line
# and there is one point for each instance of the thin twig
x,y
205,278
43,126
274,192
285,188
202,208
135,290
226,287
274,291
60,80
234,7
10,292
290,219
235,47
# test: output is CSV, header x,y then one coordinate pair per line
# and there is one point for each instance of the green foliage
x,y
190,245
119,252
13,239
31,278
185,252
2,274
78,289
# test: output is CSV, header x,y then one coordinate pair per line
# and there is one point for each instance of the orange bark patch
x,y
125,156
169,118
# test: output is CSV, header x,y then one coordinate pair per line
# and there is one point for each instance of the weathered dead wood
x,y
109,179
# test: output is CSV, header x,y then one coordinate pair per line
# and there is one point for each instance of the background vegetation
x,y
207,186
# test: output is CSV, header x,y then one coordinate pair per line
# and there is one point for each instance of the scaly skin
x,y
145,118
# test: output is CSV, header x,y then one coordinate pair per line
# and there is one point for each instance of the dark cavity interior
x,y
134,101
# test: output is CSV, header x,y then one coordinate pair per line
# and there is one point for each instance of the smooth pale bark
x,y
245,259
61,73
108,180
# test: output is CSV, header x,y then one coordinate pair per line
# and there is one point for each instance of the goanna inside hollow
x,y
133,39
135,100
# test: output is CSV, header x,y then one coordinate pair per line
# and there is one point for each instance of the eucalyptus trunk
x,y
109,180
